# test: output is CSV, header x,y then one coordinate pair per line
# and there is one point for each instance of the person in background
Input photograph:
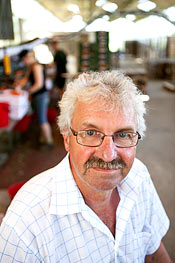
x,y
60,60
99,203
40,97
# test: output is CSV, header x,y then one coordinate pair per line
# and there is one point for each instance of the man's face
x,y
87,117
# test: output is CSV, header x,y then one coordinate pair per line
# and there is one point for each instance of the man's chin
x,y
102,186
103,179
101,172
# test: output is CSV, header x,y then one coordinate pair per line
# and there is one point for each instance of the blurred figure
x,y
40,96
60,60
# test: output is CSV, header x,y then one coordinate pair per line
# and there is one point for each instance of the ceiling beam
x,y
118,14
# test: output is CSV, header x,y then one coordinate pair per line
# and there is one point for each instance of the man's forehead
x,y
90,112
103,104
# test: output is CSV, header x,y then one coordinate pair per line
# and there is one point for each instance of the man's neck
x,y
102,200
106,209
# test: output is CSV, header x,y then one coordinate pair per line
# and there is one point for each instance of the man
x,y
99,204
60,60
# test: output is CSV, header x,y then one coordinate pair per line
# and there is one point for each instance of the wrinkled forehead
x,y
108,103
94,115
103,105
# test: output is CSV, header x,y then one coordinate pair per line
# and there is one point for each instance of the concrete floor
x,y
157,151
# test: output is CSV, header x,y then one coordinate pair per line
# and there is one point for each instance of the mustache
x,y
95,162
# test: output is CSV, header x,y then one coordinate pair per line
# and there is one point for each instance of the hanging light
x,y
170,12
100,2
73,8
131,17
106,17
146,5
110,7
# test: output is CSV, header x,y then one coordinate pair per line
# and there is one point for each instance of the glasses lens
x,y
125,139
89,138
95,138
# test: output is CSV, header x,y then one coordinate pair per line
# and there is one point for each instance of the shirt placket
x,y
122,216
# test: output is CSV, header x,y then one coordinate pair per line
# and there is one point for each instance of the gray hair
x,y
113,87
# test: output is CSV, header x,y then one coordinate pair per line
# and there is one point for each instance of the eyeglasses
x,y
93,138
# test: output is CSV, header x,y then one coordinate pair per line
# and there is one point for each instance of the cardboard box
x,y
18,101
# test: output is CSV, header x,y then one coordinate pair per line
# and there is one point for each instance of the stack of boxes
x,y
95,56
171,47
18,101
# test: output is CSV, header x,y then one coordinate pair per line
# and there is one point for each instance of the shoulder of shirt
x,y
34,195
140,169
137,177
136,182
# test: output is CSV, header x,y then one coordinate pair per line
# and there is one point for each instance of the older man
x,y
99,204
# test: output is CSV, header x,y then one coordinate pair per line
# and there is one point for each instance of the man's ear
x,y
66,141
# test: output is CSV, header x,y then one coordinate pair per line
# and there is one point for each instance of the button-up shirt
x,y
48,221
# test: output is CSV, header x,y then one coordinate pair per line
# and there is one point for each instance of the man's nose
x,y
108,149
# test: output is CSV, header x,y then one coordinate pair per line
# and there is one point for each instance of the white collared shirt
x,y
48,221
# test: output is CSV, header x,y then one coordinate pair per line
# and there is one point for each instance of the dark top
x,y
32,81
60,61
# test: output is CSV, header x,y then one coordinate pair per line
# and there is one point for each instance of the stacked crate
x,y
171,47
94,56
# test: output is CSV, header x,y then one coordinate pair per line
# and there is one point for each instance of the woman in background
x,y
40,96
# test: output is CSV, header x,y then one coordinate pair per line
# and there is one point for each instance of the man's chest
x,y
77,239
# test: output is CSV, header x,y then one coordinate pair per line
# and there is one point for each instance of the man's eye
x,y
122,134
90,133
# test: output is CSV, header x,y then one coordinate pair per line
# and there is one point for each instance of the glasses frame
x,y
75,133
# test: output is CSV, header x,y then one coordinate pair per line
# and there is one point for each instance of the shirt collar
x,y
66,196
130,184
